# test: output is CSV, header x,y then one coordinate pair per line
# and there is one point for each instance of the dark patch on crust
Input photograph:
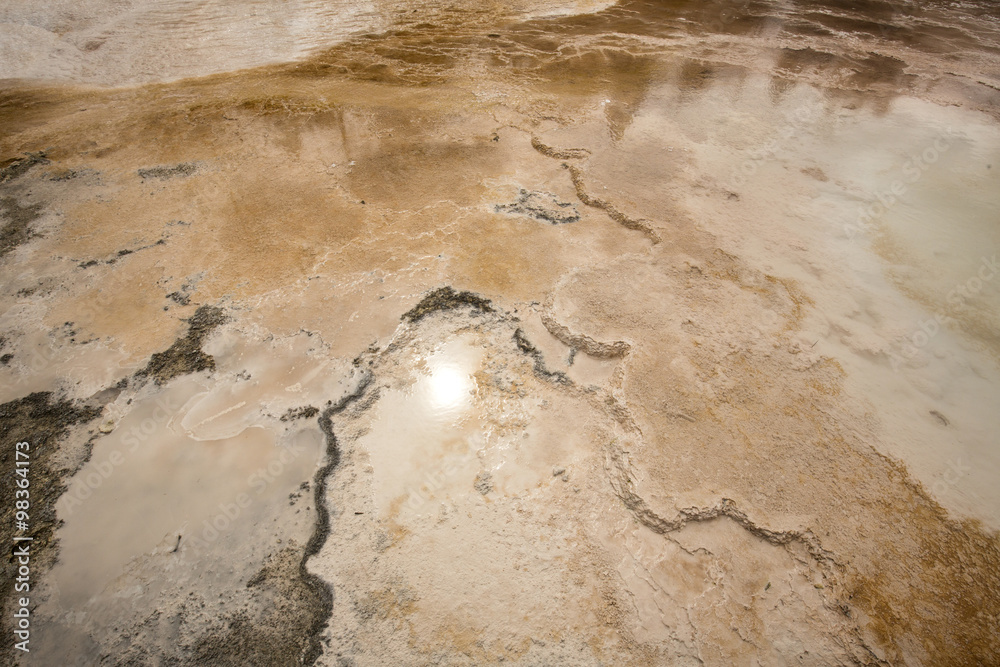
x,y
282,629
183,295
68,174
304,412
118,255
185,355
165,172
445,298
40,420
540,206
18,167
181,298
17,230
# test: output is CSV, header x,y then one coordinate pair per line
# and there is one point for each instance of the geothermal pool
x,y
583,333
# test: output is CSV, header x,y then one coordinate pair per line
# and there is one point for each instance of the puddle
x,y
461,426
150,483
116,43
460,435
261,387
635,333
110,43
195,487
424,437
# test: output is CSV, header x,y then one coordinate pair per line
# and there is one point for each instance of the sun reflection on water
x,y
445,389
448,387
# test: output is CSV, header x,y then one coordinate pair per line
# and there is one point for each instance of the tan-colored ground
x,y
490,338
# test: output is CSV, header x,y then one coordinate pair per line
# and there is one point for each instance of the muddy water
x,y
115,43
422,435
182,480
577,333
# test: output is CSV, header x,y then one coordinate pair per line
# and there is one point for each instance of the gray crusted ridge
x,y
541,206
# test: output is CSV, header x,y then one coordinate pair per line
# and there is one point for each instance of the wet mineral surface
x,y
577,333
